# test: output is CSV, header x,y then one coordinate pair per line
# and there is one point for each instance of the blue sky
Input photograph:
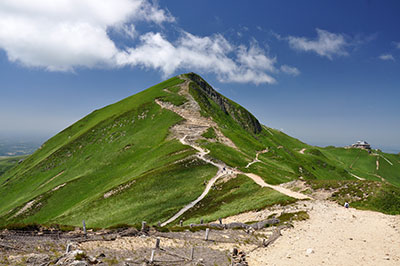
x,y
326,72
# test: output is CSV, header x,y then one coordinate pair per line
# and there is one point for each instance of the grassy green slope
x,y
101,152
283,161
117,165
9,162
235,196
363,164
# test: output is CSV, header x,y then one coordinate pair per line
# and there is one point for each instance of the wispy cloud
x,y
397,44
64,35
326,44
387,57
290,70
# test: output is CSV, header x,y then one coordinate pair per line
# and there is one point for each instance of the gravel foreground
x,y
333,235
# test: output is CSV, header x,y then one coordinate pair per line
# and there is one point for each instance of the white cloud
x,y
65,34
386,57
207,54
290,70
128,30
326,44
62,34
397,45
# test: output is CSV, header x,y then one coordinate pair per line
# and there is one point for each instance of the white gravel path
x,y
335,235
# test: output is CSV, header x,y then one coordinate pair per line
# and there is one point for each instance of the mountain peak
x,y
237,112
154,155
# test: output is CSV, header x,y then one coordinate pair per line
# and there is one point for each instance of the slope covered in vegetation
x,y
122,164
8,162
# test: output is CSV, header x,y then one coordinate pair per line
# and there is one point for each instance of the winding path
x,y
256,160
280,189
389,162
221,172
356,176
191,130
377,163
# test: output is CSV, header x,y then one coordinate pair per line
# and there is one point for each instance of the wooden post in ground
x,y
181,223
207,233
234,252
157,243
143,225
152,256
201,221
84,227
68,249
192,254
220,220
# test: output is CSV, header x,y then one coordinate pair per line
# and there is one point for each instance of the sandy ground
x,y
280,189
335,236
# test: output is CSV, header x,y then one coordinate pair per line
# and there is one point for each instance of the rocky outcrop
x,y
238,113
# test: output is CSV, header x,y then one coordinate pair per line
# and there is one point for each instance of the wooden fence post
x,y
143,225
152,256
84,227
68,250
157,243
192,254
207,233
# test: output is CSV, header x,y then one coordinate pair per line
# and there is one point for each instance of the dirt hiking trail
x,y
191,129
280,189
256,160
335,235
221,172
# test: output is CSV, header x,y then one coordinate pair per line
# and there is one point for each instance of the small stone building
x,y
361,144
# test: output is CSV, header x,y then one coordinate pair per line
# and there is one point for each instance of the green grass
x,y
210,133
235,196
363,164
125,148
9,162
105,150
365,195
293,216
174,89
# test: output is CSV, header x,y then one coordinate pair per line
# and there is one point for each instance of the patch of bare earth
x,y
335,235
194,124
